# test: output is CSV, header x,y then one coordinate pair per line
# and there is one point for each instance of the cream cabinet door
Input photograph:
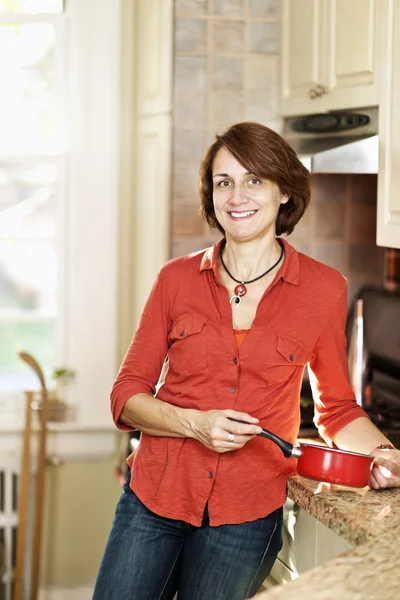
x,y
330,54
350,73
300,56
388,231
154,44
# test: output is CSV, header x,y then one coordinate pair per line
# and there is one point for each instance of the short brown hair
x,y
266,154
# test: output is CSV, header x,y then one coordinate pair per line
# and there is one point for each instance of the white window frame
x,y
88,195
91,288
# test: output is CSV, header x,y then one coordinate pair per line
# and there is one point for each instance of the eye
x,y
254,181
224,183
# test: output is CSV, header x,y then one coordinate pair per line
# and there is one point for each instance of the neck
x,y
246,260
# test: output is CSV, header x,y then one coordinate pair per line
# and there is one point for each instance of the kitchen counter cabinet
x,y
369,522
307,543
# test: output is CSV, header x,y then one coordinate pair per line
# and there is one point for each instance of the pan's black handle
x,y
287,448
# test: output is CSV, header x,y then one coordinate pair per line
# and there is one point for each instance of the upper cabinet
x,y
388,232
330,50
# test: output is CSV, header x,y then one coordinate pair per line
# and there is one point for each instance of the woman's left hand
x,y
386,469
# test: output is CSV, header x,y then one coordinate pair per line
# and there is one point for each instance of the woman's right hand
x,y
216,431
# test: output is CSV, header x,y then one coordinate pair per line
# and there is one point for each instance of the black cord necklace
x,y
241,290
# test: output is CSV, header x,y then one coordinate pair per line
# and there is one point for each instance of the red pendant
x,y
240,290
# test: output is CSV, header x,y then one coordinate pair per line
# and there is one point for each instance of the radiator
x,y
10,469
9,478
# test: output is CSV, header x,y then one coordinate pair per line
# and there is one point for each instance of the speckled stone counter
x,y
368,519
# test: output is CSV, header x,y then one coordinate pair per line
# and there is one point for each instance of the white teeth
x,y
242,214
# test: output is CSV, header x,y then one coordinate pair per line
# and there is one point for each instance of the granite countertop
x,y
366,518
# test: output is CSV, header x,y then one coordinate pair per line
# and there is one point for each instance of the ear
x,y
285,198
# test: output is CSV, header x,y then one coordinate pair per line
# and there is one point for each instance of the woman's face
x,y
245,205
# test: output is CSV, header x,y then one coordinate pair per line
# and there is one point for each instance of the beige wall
x,y
226,69
80,504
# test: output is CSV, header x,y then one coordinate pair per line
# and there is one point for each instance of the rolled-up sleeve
x,y
334,399
141,367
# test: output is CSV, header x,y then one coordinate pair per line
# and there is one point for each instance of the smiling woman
x,y
201,511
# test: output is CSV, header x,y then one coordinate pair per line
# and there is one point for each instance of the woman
x,y
201,510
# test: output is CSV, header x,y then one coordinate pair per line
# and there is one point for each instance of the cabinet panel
x,y
328,544
350,73
330,48
388,233
154,27
300,55
352,63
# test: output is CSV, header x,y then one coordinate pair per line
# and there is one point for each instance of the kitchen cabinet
x,y
307,543
330,55
388,222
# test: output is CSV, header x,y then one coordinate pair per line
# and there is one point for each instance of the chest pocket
x,y
187,351
286,357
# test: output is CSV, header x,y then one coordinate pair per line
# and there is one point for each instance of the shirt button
x,y
235,361
210,475
232,390
182,333
291,357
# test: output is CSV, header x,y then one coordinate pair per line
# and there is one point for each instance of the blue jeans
x,y
148,557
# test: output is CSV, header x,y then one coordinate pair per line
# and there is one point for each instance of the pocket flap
x,y
291,350
186,327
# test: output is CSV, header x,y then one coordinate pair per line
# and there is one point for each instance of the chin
x,y
244,236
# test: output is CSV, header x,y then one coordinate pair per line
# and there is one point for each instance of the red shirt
x,y
300,319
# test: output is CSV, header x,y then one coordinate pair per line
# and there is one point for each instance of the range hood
x,y
336,142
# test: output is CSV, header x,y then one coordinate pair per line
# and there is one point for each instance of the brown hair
x,y
265,153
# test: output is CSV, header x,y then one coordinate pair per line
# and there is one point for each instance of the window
x,y
59,200
32,164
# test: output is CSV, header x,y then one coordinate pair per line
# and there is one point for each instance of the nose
x,y
238,195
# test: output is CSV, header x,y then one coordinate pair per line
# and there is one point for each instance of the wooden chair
x,y
24,488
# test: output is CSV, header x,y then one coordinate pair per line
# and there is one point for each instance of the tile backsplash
x,y
339,228
226,58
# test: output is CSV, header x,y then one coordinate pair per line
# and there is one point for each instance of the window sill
x,y
65,441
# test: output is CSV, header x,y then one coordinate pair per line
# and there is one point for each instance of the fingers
x,y
241,423
226,440
388,464
218,432
376,480
386,469
384,474
239,416
223,440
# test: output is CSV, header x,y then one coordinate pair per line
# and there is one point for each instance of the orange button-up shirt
x,y
188,318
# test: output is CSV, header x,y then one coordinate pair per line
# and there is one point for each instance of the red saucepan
x,y
326,464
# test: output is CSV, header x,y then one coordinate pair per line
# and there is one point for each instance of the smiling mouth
x,y
242,215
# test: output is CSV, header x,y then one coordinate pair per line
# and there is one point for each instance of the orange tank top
x,y
240,335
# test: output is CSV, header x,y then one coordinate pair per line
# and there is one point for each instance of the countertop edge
x,y
368,519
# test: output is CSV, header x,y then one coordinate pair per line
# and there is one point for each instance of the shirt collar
x,y
290,271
